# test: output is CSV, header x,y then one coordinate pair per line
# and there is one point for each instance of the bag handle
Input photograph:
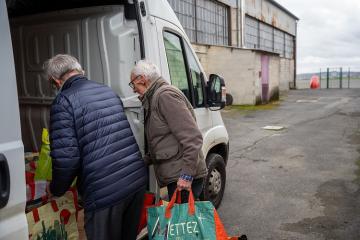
x,y
191,203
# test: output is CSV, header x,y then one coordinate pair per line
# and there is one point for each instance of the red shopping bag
x,y
149,200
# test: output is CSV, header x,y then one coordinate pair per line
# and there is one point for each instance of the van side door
x,y
180,64
13,223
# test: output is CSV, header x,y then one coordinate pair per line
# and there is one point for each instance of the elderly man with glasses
x,y
91,139
173,137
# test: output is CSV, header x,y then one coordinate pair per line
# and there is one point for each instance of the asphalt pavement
x,y
301,182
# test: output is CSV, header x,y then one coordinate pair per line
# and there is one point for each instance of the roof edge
x,y
283,8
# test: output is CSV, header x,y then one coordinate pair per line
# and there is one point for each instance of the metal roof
x,y
283,9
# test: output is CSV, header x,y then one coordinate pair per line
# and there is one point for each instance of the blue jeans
x,y
196,187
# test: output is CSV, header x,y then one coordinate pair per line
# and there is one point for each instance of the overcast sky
x,y
328,33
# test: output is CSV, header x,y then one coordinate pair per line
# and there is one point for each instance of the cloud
x,y
328,33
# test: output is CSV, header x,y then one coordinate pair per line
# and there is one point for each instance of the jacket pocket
x,y
167,152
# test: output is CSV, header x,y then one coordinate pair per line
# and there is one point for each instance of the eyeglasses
x,y
131,83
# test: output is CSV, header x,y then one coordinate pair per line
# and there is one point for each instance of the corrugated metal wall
x,y
269,13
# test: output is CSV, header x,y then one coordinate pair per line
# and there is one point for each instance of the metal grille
x,y
204,21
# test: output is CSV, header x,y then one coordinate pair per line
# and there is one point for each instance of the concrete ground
x,y
301,182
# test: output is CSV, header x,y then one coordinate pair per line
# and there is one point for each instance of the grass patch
x,y
249,108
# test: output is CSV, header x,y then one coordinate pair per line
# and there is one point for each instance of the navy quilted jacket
x,y
91,138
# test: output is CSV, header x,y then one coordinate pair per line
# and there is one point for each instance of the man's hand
x,y
183,184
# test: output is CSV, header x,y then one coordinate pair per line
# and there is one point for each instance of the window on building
x,y
279,42
176,62
195,74
185,11
204,21
266,37
289,46
251,33
259,35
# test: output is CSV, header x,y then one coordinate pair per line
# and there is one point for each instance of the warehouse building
x,y
251,43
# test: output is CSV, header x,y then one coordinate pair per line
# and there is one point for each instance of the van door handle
x,y
4,181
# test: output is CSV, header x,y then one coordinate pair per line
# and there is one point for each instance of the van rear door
x,y
13,224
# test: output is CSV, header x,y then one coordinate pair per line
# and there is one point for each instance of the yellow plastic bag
x,y
44,165
55,220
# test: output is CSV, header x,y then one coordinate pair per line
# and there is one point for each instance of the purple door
x,y
264,78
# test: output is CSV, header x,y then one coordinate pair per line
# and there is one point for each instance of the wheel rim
x,y
214,183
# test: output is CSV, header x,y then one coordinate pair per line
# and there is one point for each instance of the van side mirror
x,y
216,92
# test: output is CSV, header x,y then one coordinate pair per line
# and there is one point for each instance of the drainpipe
x,y
238,35
295,53
240,16
242,22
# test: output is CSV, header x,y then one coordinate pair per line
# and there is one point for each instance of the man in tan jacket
x,y
172,135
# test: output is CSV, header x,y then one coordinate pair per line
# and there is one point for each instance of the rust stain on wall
x,y
274,20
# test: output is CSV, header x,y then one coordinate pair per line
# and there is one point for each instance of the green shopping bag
x,y
44,167
43,170
187,221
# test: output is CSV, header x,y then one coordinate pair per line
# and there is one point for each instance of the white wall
x,y
286,73
240,69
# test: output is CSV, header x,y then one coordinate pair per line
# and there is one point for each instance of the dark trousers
x,y
119,222
196,187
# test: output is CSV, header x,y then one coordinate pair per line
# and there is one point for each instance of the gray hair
x,y
61,64
146,68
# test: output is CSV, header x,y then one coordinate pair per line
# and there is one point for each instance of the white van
x,y
108,37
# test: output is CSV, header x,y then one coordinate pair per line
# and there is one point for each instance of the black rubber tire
x,y
229,99
214,161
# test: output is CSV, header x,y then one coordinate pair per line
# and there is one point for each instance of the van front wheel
x,y
214,184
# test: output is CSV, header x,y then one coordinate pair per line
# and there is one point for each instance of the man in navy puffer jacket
x,y
91,139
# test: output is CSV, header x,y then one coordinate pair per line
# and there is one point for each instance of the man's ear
x,y
58,82
145,81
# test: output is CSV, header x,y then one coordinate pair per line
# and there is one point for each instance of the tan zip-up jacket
x,y
173,137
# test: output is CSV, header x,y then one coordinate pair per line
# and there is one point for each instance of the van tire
x,y
214,184
229,99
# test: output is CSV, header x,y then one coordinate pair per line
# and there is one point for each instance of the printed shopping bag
x,y
55,220
31,159
34,189
43,169
187,221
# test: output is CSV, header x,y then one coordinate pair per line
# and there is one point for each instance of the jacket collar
x,y
156,84
146,99
71,80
